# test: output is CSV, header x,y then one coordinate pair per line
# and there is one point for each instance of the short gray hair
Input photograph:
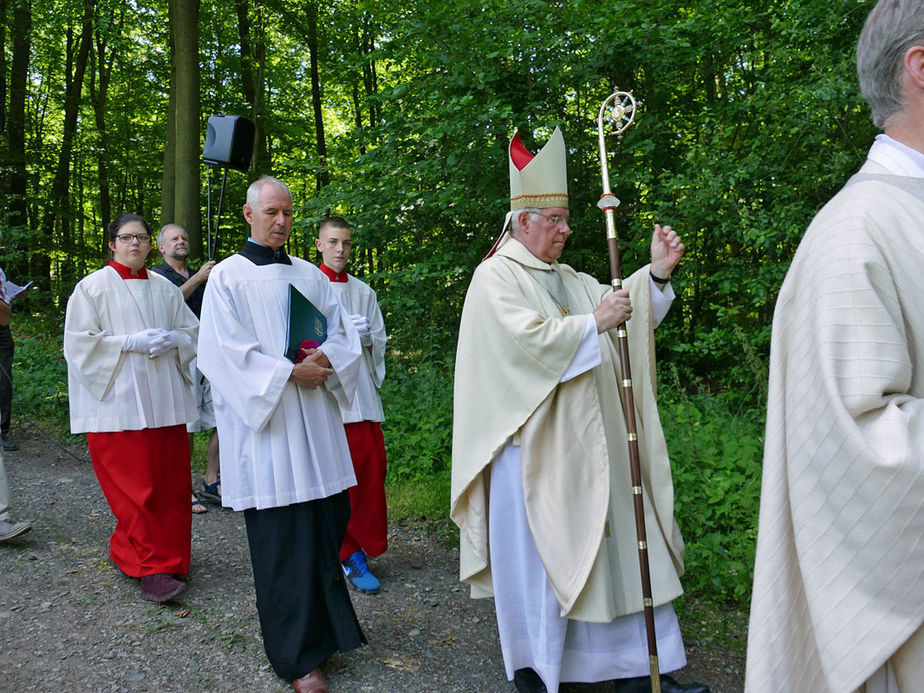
x,y
165,228
515,218
890,30
256,189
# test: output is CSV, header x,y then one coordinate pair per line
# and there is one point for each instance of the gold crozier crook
x,y
618,111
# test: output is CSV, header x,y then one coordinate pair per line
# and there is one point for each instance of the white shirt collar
x,y
898,158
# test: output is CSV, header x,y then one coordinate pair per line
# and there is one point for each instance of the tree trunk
x,y
372,77
323,176
3,78
98,93
16,115
261,162
168,180
57,212
364,45
253,59
184,19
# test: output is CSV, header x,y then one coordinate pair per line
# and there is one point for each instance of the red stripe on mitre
x,y
519,154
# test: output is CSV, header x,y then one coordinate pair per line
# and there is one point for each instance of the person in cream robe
x,y
541,489
838,600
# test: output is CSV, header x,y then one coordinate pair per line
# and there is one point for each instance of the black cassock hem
x,y
305,610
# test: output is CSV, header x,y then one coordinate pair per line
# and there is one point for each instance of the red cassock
x,y
368,526
146,480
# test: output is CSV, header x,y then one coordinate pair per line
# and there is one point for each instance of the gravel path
x,y
70,622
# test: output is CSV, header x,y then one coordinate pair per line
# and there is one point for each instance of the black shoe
x,y
528,681
642,684
8,445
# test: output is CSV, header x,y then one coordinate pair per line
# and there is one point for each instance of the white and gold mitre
x,y
538,181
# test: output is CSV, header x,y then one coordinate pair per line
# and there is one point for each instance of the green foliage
x,y
423,502
418,426
417,395
39,372
750,118
419,101
715,448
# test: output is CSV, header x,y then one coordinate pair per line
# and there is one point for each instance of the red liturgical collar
x,y
334,276
126,273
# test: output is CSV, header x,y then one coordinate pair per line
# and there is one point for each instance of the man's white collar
x,y
898,158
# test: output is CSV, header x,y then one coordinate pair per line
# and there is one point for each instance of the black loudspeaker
x,y
229,142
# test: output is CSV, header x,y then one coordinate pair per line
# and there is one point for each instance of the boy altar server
x,y
367,532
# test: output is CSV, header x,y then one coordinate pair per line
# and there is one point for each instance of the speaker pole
x,y
208,212
221,197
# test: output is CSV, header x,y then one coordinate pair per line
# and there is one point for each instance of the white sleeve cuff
x,y
660,301
588,353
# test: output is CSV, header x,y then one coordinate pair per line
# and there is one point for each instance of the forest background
x,y
397,116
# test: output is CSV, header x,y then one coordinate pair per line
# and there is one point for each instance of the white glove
x,y
152,342
143,341
361,323
163,343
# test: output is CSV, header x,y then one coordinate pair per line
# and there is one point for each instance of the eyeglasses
x,y
557,219
127,238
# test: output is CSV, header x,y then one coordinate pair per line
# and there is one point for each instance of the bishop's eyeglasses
x,y
557,220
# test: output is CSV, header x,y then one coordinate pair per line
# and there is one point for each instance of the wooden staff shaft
x,y
635,471
624,104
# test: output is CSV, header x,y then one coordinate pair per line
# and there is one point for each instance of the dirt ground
x,y
70,622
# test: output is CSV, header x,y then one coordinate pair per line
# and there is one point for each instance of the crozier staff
x,y
129,339
540,476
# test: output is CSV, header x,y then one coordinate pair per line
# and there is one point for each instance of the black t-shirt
x,y
195,298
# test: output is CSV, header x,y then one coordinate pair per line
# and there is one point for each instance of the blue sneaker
x,y
357,572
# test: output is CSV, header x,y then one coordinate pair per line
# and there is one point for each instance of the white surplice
x,y
114,390
358,298
280,443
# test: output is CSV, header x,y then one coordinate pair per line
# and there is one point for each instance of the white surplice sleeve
x,y
92,352
660,301
250,382
588,353
375,355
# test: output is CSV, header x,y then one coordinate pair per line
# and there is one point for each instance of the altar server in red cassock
x,y
129,339
367,532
